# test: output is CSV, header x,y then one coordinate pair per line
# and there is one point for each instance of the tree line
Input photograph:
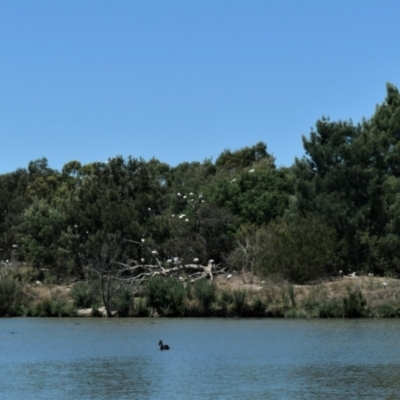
x,y
336,208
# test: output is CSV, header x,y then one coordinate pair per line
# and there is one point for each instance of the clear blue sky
x,y
184,80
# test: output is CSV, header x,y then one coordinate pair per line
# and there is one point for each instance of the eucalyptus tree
x,y
256,194
349,177
233,162
12,205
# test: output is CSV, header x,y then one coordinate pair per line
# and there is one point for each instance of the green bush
x,y
26,274
205,293
225,299
123,303
239,300
299,249
354,305
83,295
332,309
140,308
166,295
50,307
10,297
258,306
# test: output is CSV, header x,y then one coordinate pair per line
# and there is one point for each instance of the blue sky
x,y
184,80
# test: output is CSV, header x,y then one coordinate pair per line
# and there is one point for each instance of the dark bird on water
x,y
163,346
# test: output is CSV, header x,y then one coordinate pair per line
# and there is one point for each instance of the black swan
x,y
163,346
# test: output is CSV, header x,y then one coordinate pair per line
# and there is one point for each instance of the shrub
x,y
258,306
140,307
83,295
205,293
123,303
225,299
332,309
166,295
239,297
26,274
49,307
299,249
354,305
10,296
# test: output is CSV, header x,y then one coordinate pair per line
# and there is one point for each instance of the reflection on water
x,y
209,358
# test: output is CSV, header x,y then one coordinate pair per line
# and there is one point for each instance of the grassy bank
x,y
243,295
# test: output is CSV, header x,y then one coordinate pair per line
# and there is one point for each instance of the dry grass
x,y
382,295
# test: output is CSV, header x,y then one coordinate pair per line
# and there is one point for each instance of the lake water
x,y
209,359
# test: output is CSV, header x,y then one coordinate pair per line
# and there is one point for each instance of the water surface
x,y
209,358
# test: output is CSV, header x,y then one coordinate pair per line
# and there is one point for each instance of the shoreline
x,y
241,296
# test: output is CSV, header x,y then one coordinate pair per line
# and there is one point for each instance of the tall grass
x,y
205,293
258,306
10,297
225,299
83,295
296,313
49,306
330,309
354,305
239,300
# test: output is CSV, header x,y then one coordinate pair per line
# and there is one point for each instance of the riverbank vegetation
x,y
134,237
243,295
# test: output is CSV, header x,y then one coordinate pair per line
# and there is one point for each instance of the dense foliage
x,y
336,208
